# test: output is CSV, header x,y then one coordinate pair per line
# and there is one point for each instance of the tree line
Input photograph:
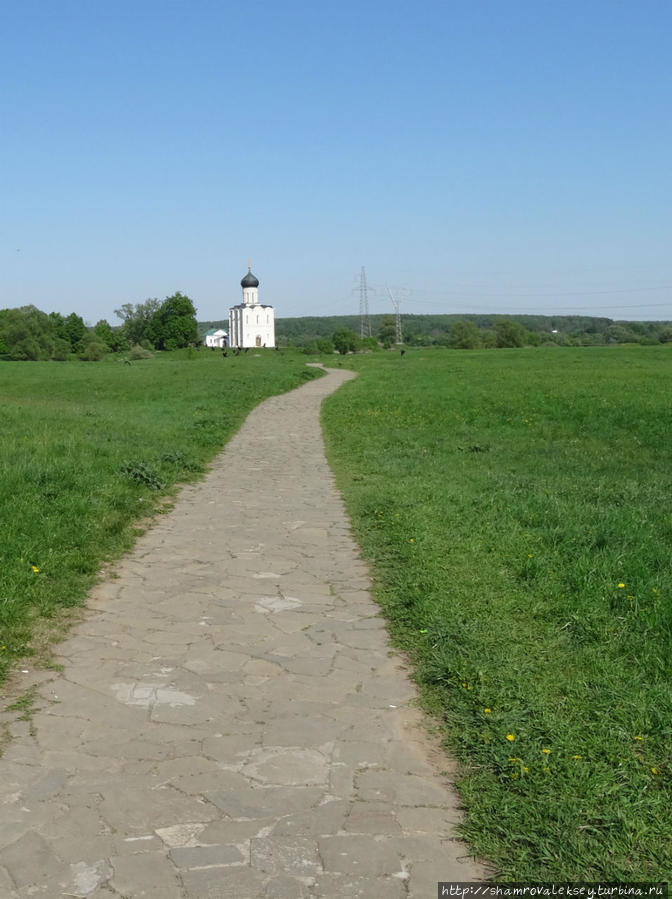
x,y
476,331
28,334
339,333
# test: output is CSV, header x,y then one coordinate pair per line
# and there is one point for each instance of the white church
x,y
251,324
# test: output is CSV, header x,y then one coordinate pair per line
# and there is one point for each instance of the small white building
x,y
251,324
216,337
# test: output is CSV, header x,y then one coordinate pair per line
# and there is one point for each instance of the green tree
x,y
136,319
27,334
74,331
665,336
173,324
324,345
509,333
58,322
387,333
619,334
465,336
61,350
345,341
113,338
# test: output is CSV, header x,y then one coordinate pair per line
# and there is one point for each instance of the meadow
x,y
515,508
89,452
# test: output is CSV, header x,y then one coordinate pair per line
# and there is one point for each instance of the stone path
x,y
231,721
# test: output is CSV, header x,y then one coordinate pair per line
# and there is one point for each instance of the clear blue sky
x,y
489,155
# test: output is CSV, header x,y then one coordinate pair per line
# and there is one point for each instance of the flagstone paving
x,y
230,720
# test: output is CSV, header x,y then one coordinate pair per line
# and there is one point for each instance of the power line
x,y
555,293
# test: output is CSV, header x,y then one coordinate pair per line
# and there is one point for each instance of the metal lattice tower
x,y
364,322
398,337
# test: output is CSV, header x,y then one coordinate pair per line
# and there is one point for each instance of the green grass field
x,y
515,509
90,450
515,506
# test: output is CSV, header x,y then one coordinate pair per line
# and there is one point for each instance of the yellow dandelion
x,y
621,586
577,756
510,737
654,771
530,556
487,711
546,751
411,540
35,568
638,737
526,770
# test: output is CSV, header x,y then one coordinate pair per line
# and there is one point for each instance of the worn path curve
x,y
230,720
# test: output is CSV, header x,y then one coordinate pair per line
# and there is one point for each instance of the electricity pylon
x,y
364,322
398,336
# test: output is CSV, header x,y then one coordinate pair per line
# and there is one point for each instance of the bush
x,y
324,345
94,351
369,343
61,350
510,333
346,341
139,352
464,335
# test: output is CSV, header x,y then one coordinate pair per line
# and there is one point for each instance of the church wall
x,y
250,323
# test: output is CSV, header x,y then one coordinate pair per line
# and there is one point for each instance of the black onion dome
x,y
249,280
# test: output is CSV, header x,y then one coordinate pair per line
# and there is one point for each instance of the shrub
x,y
139,352
345,341
324,345
94,351
464,335
61,350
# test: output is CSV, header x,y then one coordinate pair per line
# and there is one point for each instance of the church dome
x,y
249,280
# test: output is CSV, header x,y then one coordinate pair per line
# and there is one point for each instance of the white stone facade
x,y
251,324
216,337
